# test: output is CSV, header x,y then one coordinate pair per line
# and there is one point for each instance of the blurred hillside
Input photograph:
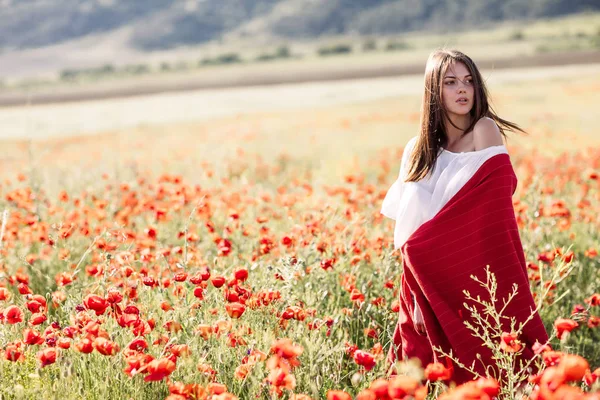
x,y
160,24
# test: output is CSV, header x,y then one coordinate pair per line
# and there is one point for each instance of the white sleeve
x,y
391,202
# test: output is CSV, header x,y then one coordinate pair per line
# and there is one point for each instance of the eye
x,y
450,82
469,80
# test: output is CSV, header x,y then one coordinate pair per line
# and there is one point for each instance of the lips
x,y
462,100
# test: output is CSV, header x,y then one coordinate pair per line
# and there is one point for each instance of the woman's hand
x,y
418,321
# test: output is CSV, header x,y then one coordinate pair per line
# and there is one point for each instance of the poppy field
x,y
247,259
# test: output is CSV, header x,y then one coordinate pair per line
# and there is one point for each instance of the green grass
x,y
280,166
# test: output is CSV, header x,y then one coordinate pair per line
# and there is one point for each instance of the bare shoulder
x,y
486,133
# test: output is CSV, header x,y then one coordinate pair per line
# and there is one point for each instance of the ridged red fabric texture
x,y
477,227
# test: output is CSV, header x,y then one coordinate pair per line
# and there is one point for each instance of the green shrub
x,y
335,49
370,45
226,58
397,45
516,35
136,69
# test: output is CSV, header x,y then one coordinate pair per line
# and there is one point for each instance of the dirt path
x,y
237,77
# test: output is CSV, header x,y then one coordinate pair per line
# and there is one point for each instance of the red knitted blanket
x,y
477,227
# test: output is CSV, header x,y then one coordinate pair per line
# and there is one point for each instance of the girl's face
x,y
457,90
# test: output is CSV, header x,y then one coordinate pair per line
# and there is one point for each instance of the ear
x,y
486,133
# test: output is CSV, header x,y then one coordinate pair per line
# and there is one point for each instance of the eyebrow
x,y
452,76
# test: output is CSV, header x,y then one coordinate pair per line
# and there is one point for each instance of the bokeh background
x,y
146,141
96,83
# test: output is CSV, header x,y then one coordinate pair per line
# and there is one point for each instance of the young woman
x,y
452,203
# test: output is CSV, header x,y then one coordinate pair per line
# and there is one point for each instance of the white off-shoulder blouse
x,y
413,203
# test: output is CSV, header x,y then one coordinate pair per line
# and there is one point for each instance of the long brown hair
x,y
432,134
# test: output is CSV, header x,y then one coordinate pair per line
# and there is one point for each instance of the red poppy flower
x,y
235,310
138,344
13,315
370,332
509,343
47,356
105,346
137,362
287,241
338,395
198,292
593,300
113,296
366,394
379,388
31,336
593,322
14,352
172,326
204,330
241,274
96,303
401,386
34,306
179,350
437,371
573,367
4,294
216,388
180,277
365,359
286,349
224,247
159,369
356,295
488,386
205,273
279,379
591,377
149,281
327,263
37,319
24,289
85,346
564,325
218,281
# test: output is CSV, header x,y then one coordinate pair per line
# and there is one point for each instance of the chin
x,y
459,112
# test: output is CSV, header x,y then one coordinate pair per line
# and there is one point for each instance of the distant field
x,y
573,39
250,76
329,122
